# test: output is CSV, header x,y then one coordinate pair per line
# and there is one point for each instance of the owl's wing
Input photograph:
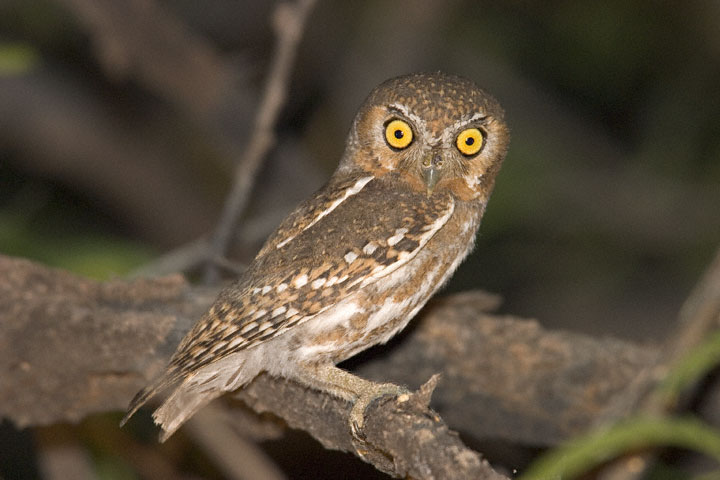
x,y
308,213
345,237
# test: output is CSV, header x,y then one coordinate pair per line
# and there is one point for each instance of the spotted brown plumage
x,y
289,284
353,263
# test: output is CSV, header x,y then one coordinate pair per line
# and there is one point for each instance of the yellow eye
x,y
398,134
469,141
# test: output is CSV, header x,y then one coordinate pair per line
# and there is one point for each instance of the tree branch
x,y
71,347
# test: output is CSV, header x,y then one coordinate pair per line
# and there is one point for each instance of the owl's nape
x,y
357,260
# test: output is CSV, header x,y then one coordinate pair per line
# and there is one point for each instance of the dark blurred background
x,y
118,140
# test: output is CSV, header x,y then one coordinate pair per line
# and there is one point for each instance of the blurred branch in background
x,y
69,133
672,386
235,454
288,24
143,40
139,38
187,71
72,133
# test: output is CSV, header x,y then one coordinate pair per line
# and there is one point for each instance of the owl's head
x,y
438,132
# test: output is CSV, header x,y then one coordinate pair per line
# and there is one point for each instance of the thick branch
x,y
405,439
71,347
507,377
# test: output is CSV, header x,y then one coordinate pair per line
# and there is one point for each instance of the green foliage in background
x,y
92,254
17,58
590,451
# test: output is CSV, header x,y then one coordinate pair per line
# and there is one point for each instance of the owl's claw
x,y
363,401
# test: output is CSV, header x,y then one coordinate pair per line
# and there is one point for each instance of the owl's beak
x,y
432,171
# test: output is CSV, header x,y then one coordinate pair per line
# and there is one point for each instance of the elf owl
x,y
356,261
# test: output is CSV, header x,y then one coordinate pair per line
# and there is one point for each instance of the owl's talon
x,y
356,431
357,414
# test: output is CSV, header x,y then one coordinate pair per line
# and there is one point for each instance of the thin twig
x,y
197,79
185,258
179,260
288,22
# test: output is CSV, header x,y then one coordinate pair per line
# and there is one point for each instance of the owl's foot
x,y
360,392
372,392
364,449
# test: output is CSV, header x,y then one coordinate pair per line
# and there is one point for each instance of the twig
x,y
184,258
178,260
288,23
233,267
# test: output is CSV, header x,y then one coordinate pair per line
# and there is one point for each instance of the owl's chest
x,y
375,313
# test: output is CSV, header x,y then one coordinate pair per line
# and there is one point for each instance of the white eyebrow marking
x,y
349,192
452,130
402,109
447,132
416,120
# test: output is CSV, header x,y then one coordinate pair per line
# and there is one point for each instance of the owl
x,y
350,266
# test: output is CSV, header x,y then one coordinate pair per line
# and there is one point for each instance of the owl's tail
x,y
196,390
184,402
148,392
